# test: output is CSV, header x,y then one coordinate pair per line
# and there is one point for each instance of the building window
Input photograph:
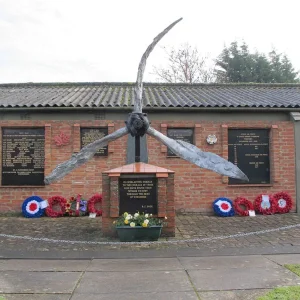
x,y
89,135
23,156
183,134
249,149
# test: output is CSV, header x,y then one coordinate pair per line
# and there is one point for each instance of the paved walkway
x,y
206,278
219,267
188,227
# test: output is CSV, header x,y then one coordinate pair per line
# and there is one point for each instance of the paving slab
x,y
233,295
244,278
139,296
43,265
217,262
284,259
132,282
36,297
143,264
38,282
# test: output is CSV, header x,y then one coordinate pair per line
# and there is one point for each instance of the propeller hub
x,y
137,124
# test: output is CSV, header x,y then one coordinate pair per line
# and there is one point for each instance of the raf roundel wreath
x,y
223,207
31,207
241,202
97,198
283,202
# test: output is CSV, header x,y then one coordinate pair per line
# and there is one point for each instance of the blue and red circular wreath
x,y
31,207
223,207
283,202
242,206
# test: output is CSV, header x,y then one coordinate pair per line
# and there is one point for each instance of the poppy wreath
x,y
56,200
283,202
76,206
97,198
223,207
31,207
265,209
241,202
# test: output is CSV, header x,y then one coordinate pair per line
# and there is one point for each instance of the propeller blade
x,y
138,105
83,156
206,160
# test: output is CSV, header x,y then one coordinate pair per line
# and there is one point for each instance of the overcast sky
x,y
103,40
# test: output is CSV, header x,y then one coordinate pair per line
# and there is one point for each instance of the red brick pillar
x,y
107,228
169,228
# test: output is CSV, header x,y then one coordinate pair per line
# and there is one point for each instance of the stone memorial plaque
x,y
138,194
248,149
184,134
23,156
89,135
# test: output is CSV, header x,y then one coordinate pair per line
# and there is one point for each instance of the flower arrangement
x,y
142,220
242,206
32,207
223,207
283,202
265,204
138,227
76,206
97,198
54,202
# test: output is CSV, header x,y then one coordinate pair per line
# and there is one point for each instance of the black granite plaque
x,y
138,194
249,150
184,134
89,135
23,156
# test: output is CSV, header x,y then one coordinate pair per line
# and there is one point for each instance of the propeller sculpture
x,y
137,125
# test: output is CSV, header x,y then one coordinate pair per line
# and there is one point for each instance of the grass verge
x,y
285,293
294,268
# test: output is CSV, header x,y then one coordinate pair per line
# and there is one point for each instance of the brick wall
x,y
195,188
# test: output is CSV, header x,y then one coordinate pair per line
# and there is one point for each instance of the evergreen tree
x,y
237,64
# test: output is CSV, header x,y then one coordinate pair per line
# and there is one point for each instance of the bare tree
x,y
185,65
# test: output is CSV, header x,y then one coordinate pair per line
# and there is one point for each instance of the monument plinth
x,y
138,187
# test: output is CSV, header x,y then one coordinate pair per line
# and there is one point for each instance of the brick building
x,y
254,125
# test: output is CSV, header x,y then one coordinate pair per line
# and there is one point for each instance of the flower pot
x,y
138,233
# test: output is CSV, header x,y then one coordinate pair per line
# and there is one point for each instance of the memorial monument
x,y
137,125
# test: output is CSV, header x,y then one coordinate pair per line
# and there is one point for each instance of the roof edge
x,y
241,84
149,109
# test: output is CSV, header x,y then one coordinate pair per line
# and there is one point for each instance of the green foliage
x,y
144,220
237,64
283,293
294,268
